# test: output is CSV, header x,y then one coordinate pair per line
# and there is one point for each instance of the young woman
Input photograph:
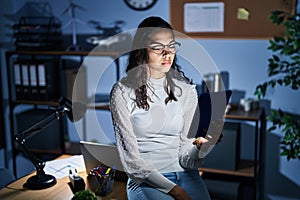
x,y
152,110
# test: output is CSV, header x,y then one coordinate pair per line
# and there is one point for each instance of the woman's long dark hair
x,y
138,58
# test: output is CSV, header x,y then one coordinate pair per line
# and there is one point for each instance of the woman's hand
x,y
179,193
213,136
199,141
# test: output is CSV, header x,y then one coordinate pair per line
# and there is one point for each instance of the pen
x,y
107,171
100,170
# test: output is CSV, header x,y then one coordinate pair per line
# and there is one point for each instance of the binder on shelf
x,y
25,81
41,78
33,81
18,80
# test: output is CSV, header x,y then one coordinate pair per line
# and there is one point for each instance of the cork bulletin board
x,y
229,18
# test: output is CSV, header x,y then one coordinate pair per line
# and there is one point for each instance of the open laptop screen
x,y
105,155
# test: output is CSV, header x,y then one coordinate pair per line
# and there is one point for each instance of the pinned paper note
x,y
204,17
243,14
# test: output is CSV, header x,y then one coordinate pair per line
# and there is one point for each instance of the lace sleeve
x,y
126,141
135,166
189,156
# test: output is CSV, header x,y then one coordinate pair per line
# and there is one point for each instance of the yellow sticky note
x,y
243,14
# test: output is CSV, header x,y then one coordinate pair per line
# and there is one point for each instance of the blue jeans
x,y
189,180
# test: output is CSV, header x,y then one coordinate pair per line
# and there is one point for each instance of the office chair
x,y
6,177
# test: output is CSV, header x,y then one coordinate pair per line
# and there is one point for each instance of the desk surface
x,y
61,190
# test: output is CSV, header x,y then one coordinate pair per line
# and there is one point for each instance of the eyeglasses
x,y
160,48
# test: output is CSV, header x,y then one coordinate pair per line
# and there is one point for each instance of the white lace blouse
x,y
155,141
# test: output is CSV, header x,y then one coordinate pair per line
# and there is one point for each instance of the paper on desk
x,y
60,168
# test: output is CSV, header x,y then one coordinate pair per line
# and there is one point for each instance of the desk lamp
x,y
42,180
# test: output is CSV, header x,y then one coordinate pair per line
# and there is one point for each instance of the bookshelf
x,y
34,57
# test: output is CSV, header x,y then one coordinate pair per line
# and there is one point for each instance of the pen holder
x,y
101,184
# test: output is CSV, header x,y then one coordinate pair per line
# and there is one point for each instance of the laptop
x,y
105,155
212,107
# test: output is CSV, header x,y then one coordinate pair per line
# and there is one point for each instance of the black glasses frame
x,y
161,48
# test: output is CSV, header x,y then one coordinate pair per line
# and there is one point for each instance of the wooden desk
x,y
60,191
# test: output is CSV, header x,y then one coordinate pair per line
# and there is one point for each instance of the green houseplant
x,y
284,71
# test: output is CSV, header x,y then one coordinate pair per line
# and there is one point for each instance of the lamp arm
x,y
38,163
33,130
42,180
